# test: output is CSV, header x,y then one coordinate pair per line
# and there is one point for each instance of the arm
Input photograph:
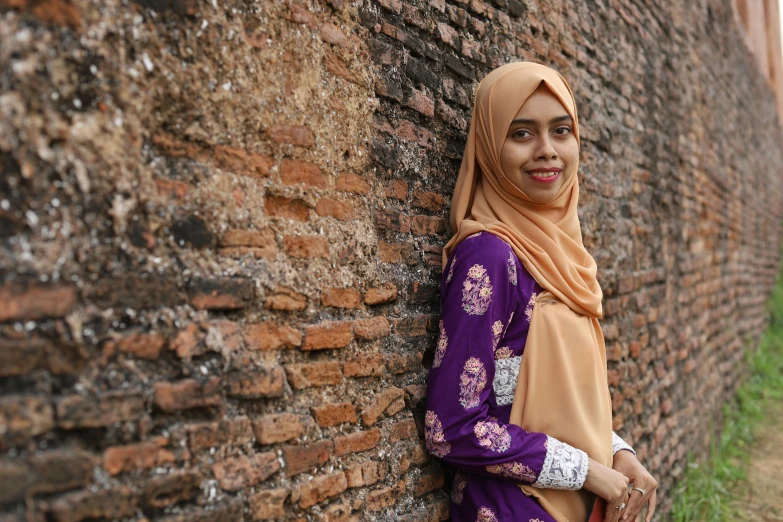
x,y
478,298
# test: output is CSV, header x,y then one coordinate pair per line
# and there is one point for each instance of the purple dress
x,y
487,300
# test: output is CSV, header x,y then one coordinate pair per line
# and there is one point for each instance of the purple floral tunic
x,y
487,300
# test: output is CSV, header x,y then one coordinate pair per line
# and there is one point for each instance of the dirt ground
x,y
761,497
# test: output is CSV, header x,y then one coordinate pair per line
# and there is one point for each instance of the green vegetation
x,y
706,492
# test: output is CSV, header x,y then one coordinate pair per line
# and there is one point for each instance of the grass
x,y
706,493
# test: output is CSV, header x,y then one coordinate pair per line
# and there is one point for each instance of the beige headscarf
x,y
562,388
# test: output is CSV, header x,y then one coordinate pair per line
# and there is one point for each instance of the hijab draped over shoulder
x,y
562,389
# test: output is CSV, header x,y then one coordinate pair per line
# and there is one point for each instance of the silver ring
x,y
621,506
640,490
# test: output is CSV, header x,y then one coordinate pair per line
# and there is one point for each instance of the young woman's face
x,y
540,152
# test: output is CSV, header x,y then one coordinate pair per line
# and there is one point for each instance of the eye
x,y
521,133
562,131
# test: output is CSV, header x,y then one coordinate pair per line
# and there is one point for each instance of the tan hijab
x,y
562,388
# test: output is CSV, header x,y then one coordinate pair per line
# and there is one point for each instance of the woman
x,y
518,400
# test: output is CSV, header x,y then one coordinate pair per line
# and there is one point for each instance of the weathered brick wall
x,y
221,226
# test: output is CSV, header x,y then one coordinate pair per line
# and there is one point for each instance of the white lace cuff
x,y
565,467
619,444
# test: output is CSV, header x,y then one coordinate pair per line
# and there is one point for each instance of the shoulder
x,y
484,247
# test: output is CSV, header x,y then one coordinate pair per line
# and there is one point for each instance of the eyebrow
x,y
533,122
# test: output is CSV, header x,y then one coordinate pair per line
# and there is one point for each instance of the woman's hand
x,y
610,485
625,462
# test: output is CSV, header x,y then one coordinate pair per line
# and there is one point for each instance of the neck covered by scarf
x,y
562,388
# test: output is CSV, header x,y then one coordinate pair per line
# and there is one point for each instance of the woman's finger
x,y
651,506
635,503
611,511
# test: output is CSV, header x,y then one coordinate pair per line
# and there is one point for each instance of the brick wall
x,y
221,226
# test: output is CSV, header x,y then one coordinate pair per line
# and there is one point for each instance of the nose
x,y
545,150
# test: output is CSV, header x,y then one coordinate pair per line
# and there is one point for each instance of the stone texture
x,y
213,217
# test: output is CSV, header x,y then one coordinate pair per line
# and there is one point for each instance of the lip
x,y
532,173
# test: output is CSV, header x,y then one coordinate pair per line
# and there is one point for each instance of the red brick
x,y
241,162
322,488
382,294
364,366
187,394
287,208
428,226
404,429
143,455
411,326
448,35
221,293
308,375
172,188
341,297
421,103
188,342
278,427
334,414
268,504
20,302
166,490
116,503
398,363
366,474
22,356
395,6
397,189
236,474
332,34
353,183
230,511
299,459
341,210
373,328
248,238
295,172
356,442
382,401
306,246
337,67
227,432
335,334
256,383
77,411
286,299
384,497
392,220
426,481
268,252
142,345
268,336
428,200
23,416
292,135
397,253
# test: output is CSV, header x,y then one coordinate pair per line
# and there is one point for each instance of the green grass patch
x,y
705,494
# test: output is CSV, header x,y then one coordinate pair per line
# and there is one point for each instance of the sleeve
x,y
619,444
478,298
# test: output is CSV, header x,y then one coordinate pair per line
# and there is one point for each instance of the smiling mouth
x,y
543,176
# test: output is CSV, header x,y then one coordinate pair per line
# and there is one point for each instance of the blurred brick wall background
x,y
221,226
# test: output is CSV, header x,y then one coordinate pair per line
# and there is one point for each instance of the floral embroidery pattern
x,y
440,351
503,353
505,382
530,304
476,291
512,269
513,470
458,488
471,383
497,329
486,515
492,435
433,435
451,269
